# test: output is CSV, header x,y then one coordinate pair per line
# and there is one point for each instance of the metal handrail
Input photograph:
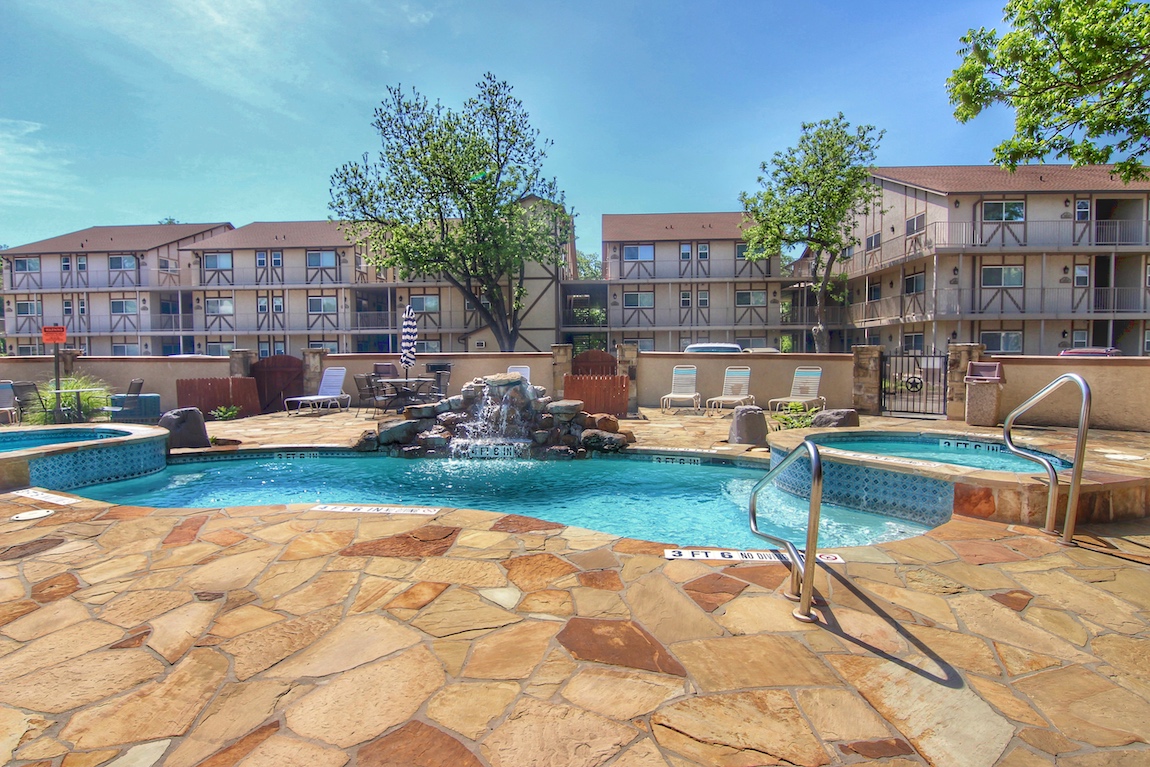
x,y
802,593
1079,453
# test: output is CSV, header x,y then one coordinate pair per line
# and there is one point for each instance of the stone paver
x,y
257,636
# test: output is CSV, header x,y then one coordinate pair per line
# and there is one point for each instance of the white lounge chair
x,y
804,389
330,393
736,390
522,370
682,388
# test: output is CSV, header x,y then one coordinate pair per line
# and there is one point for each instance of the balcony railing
x,y
1054,302
671,269
808,315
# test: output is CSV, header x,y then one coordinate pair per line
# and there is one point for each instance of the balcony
x,y
1035,303
808,315
717,269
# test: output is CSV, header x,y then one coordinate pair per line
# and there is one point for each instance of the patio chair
x,y
369,395
330,393
385,369
522,370
8,403
804,390
682,388
129,406
28,399
736,390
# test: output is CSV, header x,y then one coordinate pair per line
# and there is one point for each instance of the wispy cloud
x,y
32,173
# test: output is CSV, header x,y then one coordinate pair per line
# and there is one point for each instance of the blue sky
x,y
129,111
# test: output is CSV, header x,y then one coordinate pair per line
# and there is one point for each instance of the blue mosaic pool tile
x,y
91,465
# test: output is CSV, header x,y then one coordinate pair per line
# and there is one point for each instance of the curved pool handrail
x,y
1079,454
802,575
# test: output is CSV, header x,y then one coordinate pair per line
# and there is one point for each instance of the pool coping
x,y
16,465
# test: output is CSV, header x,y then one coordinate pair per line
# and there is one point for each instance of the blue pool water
x,y
681,505
23,440
962,451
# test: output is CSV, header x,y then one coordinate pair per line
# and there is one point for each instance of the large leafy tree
x,y
457,194
1076,73
810,198
590,265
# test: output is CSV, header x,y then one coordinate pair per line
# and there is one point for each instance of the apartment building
x,y
274,287
673,279
1032,262
116,289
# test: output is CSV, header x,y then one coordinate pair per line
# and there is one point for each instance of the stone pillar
x,y
866,387
627,363
312,369
68,362
560,366
240,362
959,356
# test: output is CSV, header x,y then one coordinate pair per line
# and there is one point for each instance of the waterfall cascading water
x,y
502,422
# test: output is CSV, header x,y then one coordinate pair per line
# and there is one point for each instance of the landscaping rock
x,y
368,442
604,422
186,427
835,418
608,442
748,426
397,431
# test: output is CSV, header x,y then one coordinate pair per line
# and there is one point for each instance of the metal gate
x,y
914,382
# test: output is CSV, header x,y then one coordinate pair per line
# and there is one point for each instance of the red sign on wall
x,y
54,334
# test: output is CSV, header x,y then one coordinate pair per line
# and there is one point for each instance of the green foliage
x,y
458,194
90,402
167,220
590,265
810,198
1076,73
795,416
225,413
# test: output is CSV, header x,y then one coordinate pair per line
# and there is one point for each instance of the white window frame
x,y
279,347
26,264
123,263
277,304
424,304
913,342
82,308
219,307
685,251
81,263
65,263
29,308
67,307
318,259
261,261
747,298
740,251
874,291
703,249
914,284
874,241
684,299
1082,207
1002,211
703,299
997,339
265,349
916,224
639,299
322,304
432,346
644,252
123,307
331,346
1002,270
277,259
218,262
219,348
262,304
125,350
1082,275
642,344
1079,339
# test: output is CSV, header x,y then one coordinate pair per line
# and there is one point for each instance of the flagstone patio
x,y
276,635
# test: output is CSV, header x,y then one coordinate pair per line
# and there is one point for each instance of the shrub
x,y
90,401
795,416
225,413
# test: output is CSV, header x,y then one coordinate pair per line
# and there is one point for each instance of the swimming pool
x,y
25,438
954,449
675,504
69,457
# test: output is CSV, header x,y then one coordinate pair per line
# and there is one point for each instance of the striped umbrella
x,y
407,340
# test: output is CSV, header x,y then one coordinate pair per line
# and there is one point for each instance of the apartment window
x,y
752,343
750,298
82,306
261,258
704,251
67,307
125,350
428,347
1078,340
484,301
847,252
217,260
219,306
265,349
1082,276
704,299
639,300
1004,210
916,224
1002,276
277,258
914,283
740,251
24,350
685,299
873,241
643,344
262,304
912,342
279,347
684,251
220,348
1146,342
65,263
81,263
874,291
321,259
331,346
29,308
277,304
1082,210
123,306
638,252
26,264
1005,341
121,263
321,304
425,304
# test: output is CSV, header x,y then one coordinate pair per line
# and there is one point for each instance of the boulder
x,y
437,436
604,422
559,453
565,410
187,428
368,442
604,441
835,418
399,431
748,426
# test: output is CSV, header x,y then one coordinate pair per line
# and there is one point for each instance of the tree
x,y
810,198
590,265
457,194
1076,73
167,220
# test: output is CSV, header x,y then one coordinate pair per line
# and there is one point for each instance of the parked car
x,y
1091,351
714,347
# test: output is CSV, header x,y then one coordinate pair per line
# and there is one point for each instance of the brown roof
x,y
115,239
976,179
648,227
277,234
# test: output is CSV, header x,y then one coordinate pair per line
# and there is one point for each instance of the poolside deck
x,y
281,636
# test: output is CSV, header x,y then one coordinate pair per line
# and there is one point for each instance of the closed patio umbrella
x,y
408,334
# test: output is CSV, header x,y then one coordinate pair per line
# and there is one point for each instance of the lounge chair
x,y
8,403
682,388
804,390
129,406
736,390
330,393
522,370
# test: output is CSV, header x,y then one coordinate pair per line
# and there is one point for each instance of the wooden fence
x,y
207,394
600,394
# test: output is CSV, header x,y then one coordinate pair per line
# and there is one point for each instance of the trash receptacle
x,y
983,393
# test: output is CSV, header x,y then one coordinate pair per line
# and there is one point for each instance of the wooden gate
x,y
593,363
207,394
277,377
600,394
